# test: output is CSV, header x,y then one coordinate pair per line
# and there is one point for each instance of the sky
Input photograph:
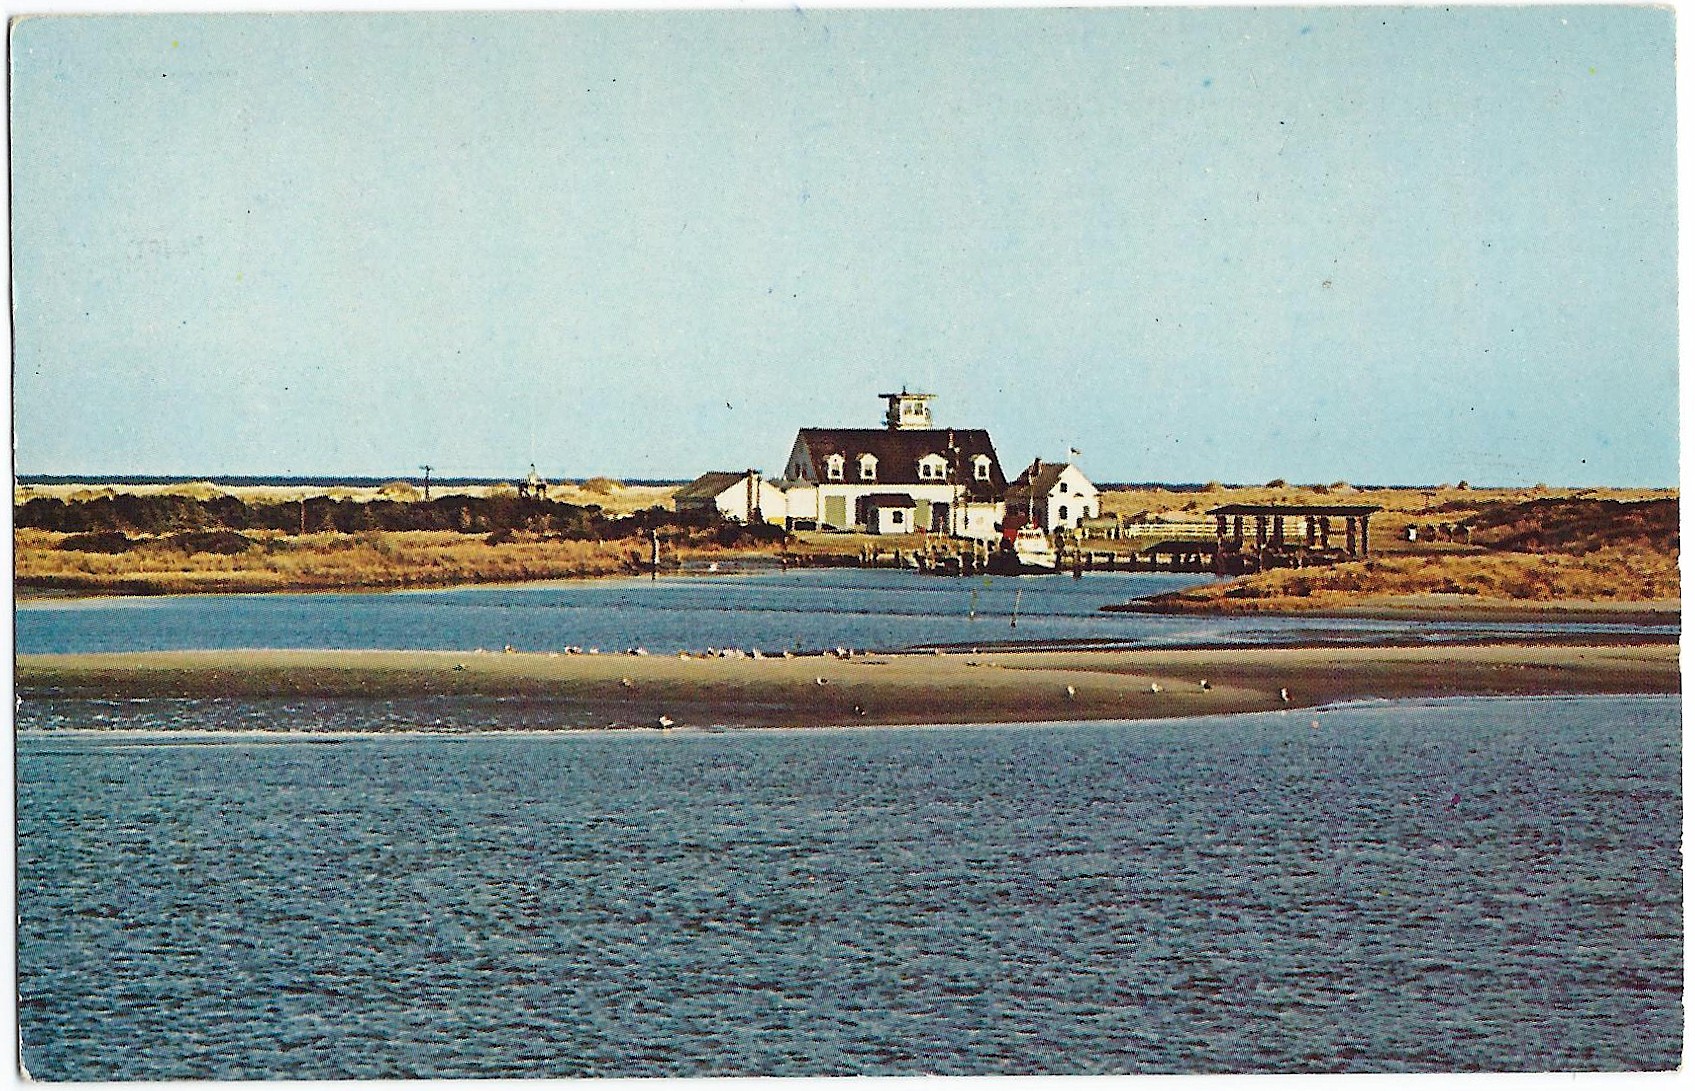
x,y
1372,244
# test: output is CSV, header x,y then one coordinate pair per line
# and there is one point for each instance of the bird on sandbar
x,y
1284,695
626,683
1155,687
1071,691
821,681
665,723
1205,685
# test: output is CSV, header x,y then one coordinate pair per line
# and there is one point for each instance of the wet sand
x,y
988,687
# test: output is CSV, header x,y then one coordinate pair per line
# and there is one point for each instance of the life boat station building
x,y
905,477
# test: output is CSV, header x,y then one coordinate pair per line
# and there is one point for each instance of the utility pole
x,y
426,470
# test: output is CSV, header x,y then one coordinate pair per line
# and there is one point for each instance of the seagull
x,y
1155,687
821,681
665,723
1284,694
1071,691
626,683
858,710
458,666
1205,684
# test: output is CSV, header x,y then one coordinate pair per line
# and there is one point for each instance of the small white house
x,y
743,497
1052,495
891,513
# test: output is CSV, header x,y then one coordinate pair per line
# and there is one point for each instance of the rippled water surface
x,y
809,609
1471,884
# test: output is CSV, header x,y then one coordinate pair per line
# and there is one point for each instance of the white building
x,y
1052,495
743,497
902,478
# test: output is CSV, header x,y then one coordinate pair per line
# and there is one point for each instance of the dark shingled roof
x,y
890,500
708,485
1043,475
1039,475
897,451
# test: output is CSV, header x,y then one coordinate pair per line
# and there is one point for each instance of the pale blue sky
x,y
1364,244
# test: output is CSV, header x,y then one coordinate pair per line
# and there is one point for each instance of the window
x,y
897,517
932,468
833,467
981,465
1063,487
868,467
1062,513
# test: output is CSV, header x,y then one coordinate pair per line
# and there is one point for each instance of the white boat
x,y
1030,551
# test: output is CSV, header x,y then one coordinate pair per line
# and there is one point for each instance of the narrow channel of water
x,y
798,610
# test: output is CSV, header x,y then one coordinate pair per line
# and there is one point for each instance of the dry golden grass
x,y
1643,570
319,562
1400,505
1613,574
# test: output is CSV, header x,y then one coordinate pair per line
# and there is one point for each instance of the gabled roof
x,y
709,486
898,452
1043,476
1040,476
890,500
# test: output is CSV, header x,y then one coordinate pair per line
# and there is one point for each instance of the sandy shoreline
x,y
989,687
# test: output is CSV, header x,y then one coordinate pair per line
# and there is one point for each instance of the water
x,y
804,610
1468,884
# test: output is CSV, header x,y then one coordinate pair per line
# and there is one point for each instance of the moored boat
x,y
1029,551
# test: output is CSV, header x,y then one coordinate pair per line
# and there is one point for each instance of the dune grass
x,y
1614,574
328,561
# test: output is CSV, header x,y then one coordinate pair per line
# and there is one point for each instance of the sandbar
x,y
812,691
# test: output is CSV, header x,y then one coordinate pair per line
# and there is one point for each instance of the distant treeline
x,y
494,515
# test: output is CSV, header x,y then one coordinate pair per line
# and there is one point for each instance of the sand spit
x,y
990,687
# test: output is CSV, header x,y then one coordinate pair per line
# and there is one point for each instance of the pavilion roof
x,y
1296,509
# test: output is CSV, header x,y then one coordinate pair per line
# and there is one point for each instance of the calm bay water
x,y
804,610
1469,884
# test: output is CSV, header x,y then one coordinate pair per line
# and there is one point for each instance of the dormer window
x,y
980,466
834,467
932,468
868,467
1063,487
